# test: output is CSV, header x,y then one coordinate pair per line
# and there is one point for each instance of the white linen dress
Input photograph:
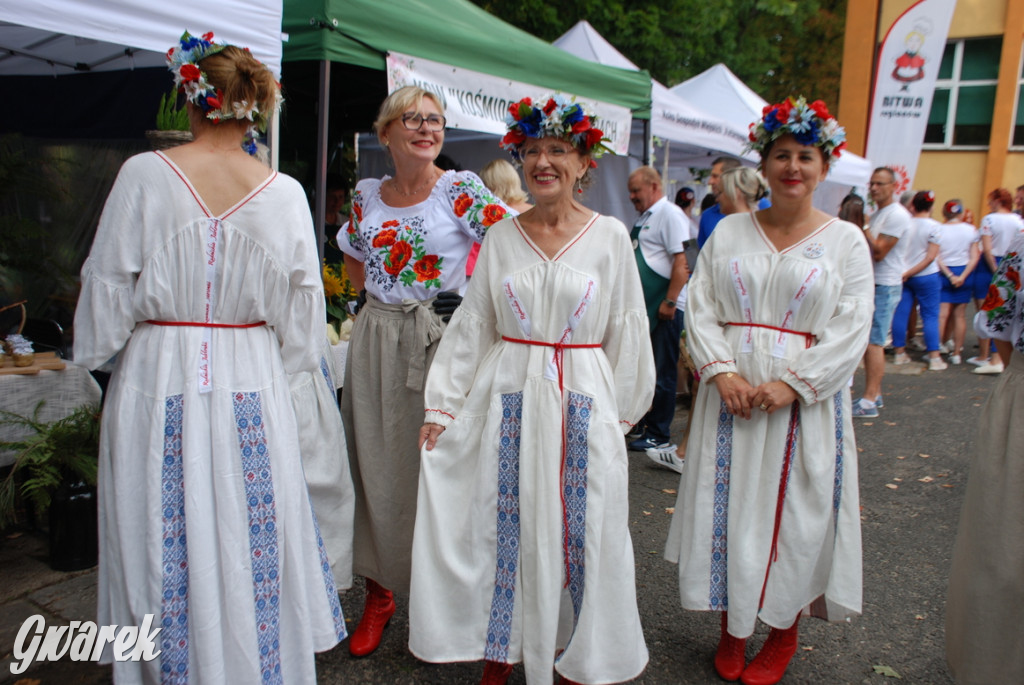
x,y
490,551
741,546
204,516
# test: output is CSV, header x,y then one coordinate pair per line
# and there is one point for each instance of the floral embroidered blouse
x,y
1002,315
412,253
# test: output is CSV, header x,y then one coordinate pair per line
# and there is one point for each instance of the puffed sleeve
x,y
627,340
350,237
103,316
824,369
472,331
474,206
1001,316
299,322
705,339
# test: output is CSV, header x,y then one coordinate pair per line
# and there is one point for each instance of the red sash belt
x,y
559,348
808,337
204,324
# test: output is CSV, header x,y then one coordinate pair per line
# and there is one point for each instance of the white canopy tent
x,y
65,38
689,136
73,36
723,92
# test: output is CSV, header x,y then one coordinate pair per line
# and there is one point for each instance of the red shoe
x,y
731,655
496,673
380,606
770,664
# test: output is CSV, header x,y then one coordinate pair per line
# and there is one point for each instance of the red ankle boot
x,y
770,664
731,655
495,673
380,606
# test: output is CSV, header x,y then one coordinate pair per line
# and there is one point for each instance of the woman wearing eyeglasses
x,y
406,243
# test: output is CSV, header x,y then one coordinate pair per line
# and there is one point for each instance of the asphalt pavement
x,y
913,469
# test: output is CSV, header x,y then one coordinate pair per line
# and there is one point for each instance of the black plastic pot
x,y
73,527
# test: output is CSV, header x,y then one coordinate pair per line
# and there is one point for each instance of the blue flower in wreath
x,y
806,132
574,114
531,124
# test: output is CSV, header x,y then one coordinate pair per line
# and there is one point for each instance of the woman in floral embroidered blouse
x,y
983,609
408,240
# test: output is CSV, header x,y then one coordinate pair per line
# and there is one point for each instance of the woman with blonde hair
x,y
742,189
407,242
501,177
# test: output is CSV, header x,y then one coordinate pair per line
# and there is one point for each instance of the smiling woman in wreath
x,y
522,549
767,525
408,239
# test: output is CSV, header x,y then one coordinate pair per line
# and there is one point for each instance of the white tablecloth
x,y
63,392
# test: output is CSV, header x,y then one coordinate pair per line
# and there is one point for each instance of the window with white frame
x,y
965,94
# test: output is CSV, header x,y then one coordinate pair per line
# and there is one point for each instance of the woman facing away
x,y
766,525
203,279
407,241
958,257
998,229
522,550
921,282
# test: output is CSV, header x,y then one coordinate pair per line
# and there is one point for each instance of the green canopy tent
x,y
360,33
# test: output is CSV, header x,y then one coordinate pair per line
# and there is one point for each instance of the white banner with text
x,y
908,64
478,102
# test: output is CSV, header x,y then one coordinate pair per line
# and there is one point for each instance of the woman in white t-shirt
x,y
920,282
958,257
998,229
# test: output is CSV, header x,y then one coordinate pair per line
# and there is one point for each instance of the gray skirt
x,y
985,606
382,408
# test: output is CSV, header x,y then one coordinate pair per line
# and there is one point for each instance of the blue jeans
x,y
665,341
886,298
927,290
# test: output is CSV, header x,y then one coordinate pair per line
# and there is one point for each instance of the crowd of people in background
x,y
505,342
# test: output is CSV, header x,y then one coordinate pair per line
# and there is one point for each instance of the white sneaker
x,y
936,364
989,369
901,358
946,347
666,456
955,360
917,344
974,361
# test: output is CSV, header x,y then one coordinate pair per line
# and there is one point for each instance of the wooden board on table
x,y
43,360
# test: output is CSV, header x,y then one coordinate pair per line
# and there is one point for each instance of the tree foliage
x,y
777,47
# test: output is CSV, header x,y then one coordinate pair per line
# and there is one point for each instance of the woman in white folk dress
x,y
203,280
522,549
766,525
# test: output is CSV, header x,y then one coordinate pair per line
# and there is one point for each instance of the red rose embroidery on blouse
x,y
462,204
426,268
385,238
994,300
390,224
493,214
357,211
1013,276
398,257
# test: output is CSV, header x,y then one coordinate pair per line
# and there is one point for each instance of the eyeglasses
x,y
435,122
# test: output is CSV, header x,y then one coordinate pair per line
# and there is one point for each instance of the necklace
x,y
429,181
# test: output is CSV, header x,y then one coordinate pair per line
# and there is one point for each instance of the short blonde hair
x,y
746,183
398,103
502,178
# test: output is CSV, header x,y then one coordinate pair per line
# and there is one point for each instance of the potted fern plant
x,y
54,472
172,126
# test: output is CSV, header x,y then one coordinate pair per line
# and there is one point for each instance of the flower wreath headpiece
x,y
183,61
810,124
558,118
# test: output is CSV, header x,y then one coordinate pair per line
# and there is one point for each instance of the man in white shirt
x,y
658,236
888,225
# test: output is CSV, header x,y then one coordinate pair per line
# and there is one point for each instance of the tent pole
x,y
320,191
647,142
